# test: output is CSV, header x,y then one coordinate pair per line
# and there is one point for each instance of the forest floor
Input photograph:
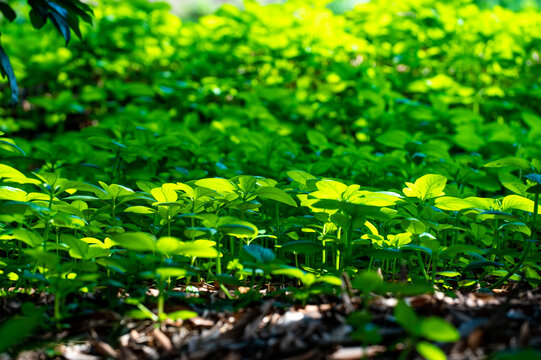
x,y
488,323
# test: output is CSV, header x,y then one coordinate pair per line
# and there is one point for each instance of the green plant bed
x,y
162,177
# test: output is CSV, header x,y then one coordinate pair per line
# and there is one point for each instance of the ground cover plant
x,y
275,182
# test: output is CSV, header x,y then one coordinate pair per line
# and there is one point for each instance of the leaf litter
x,y
504,320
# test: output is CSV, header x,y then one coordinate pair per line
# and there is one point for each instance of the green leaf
x,y
450,203
188,190
276,194
329,279
181,315
302,247
316,138
140,210
518,354
167,245
293,272
511,161
448,273
437,329
59,17
415,247
517,202
300,176
329,189
14,330
516,187
460,248
171,272
426,187
78,249
43,258
502,273
7,11
247,183
7,70
394,138
430,351
260,254
367,281
164,194
414,226
234,227
406,289
136,241
11,193
406,317
217,184
37,19
28,237
536,178
95,252
117,191
493,214
481,264
516,227
9,172
198,248
9,146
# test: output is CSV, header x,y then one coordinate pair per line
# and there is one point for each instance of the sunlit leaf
x,y
448,273
450,203
171,272
164,195
217,184
276,194
9,172
511,161
140,210
167,245
77,248
235,227
426,187
181,315
517,202
11,193
137,241
430,351
300,176
437,329
198,248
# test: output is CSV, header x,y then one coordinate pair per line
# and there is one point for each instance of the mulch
x,y
488,323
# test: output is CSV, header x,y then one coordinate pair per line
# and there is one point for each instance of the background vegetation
x,y
283,143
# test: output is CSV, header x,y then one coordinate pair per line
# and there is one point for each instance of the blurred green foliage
x,y
353,95
63,14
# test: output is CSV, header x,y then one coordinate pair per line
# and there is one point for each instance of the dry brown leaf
x,y
104,349
243,289
420,301
199,321
163,340
475,338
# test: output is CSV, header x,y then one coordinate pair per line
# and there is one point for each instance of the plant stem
x,y
422,266
57,316
218,257
525,251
